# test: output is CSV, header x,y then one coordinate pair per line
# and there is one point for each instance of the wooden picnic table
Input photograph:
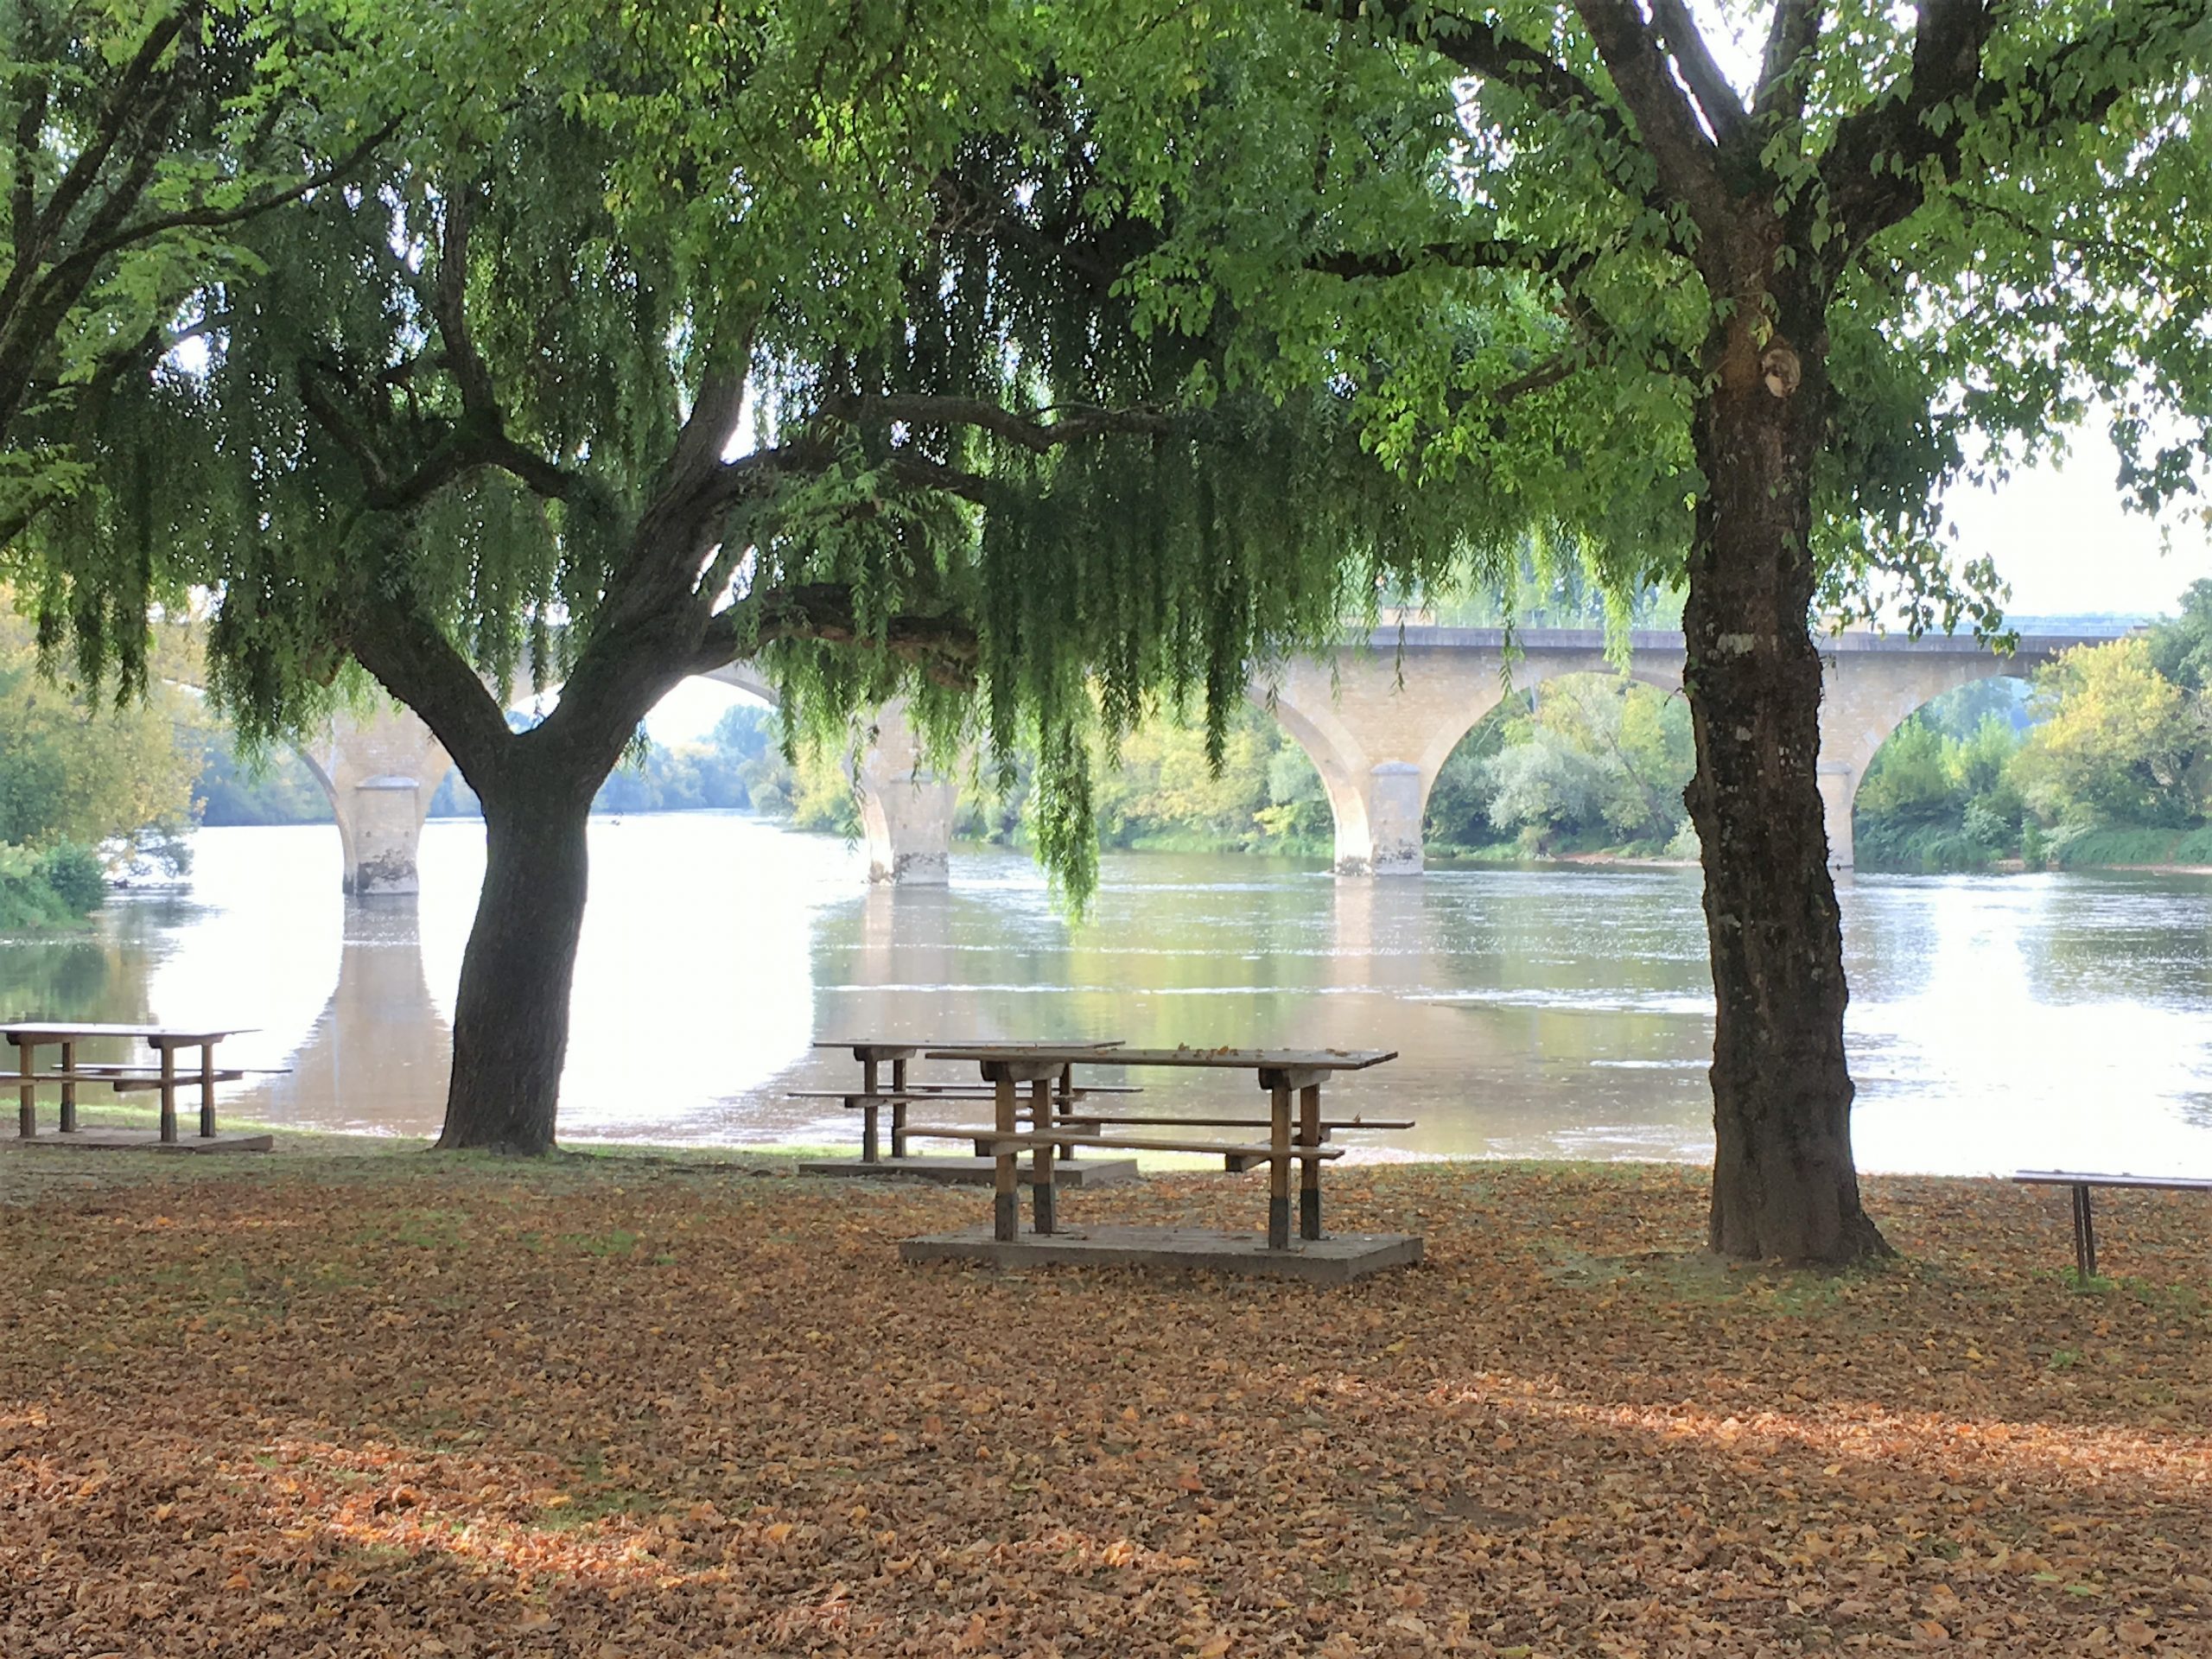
x,y
1281,1071
29,1036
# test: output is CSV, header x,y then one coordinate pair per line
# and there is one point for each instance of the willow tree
x,y
656,337
1818,259
138,138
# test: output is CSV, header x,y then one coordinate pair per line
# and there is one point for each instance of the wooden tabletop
x,y
51,1031
1239,1060
865,1048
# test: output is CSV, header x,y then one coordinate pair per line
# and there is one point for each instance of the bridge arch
x,y
382,771
1866,696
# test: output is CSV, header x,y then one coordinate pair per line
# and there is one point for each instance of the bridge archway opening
x,y
1565,762
1934,794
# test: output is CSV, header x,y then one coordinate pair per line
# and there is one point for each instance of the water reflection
x,y
377,1054
1540,1012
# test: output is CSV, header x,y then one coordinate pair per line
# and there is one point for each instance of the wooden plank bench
x,y
2085,1226
871,1101
1235,1160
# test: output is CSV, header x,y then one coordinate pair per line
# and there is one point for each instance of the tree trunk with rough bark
x,y
511,1017
1783,1182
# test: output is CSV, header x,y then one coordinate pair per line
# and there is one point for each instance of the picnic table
x,y
1284,1073
162,1075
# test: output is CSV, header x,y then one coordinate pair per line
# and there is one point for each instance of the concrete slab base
x,y
1334,1260
976,1172
141,1141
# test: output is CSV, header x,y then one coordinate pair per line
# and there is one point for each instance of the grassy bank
x,y
360,1400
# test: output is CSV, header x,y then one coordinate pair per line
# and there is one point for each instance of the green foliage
x,y
2180,647
74,772
1162,791
276,787
77,876
2109,762
28,900
2119,744
1581,764
139,136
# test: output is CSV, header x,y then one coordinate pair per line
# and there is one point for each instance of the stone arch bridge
x,y
1380,723
1378,720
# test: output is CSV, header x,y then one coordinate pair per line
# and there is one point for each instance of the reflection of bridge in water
x,y
379,1052
1378,721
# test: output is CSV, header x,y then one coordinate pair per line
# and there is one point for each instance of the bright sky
x,y
2060,536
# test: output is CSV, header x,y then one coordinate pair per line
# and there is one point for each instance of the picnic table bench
x,y
162,1077
1300,1137
873,1098
2085,1226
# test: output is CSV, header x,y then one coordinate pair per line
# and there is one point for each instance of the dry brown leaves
x,y
431,1410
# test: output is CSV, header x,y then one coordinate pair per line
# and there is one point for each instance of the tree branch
x,y
1873,167
1784,71
1685,42
119,114
414,661
1662,111
945,645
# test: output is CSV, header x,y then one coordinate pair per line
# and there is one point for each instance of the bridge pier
x,y
906,806
380,771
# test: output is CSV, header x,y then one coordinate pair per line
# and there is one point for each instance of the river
x,y
1996,1023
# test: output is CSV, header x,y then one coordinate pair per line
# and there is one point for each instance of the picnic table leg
x,y
898,1109
27,1113
1066,1103
1006,1214
68,1089
867,1129
1040,1162
1309,1171
207,1092
169,1094
1279,1169
2085,1236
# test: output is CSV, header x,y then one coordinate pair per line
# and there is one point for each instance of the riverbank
x,y
360,1399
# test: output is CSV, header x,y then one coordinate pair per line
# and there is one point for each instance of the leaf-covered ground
x,y
401,1405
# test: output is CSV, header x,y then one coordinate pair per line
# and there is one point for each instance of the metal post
x,y
2085,1235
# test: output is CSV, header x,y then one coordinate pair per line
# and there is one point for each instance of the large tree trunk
x,y
510,1018
1784,1183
